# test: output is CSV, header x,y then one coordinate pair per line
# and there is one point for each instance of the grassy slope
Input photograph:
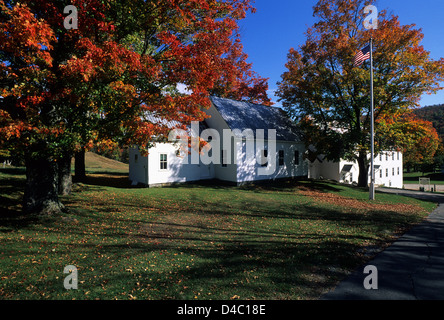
x,y
95,163
413,177
283,241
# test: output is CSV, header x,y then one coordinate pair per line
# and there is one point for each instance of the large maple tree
x,y
62,90
416,137
332,97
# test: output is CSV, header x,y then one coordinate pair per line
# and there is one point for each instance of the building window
x,y
351,177
393,171
386,172
281,157
380,157
136,158
296,157
223,159
393,156
386,156
264,158
163,161
398,155
398,171
380,173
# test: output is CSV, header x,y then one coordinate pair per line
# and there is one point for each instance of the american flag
x,y
361,56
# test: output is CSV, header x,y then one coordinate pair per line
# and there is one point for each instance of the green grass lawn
x,y
413,177
282,241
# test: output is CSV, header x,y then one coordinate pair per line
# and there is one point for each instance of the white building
x,y
249,142
388,170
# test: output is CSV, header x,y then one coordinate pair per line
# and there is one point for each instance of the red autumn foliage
x,y
58,65
63,89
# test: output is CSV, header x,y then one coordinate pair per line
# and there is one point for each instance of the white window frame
x,y
163,162
264,158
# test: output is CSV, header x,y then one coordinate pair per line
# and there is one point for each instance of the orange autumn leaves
x,y
27,38
417,138
101,81
332,98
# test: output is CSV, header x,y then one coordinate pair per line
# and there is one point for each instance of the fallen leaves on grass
x,y
188,226
350,203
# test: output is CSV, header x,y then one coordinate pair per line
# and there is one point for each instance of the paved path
x,y
412,268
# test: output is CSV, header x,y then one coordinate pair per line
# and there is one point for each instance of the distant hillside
x,y
95,162
434,114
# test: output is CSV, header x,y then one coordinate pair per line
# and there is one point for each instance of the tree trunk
x,y
64,175
363,170
79,166
41,194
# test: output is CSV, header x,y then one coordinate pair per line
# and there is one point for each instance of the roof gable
x,y
244,115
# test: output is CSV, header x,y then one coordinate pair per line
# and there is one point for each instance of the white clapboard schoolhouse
x,y
249,142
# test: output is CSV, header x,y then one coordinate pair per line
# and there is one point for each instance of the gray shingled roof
x,y
151,117
243,115
171,124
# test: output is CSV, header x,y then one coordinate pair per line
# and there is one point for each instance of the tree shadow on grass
x,y
283,185
11,191
269,262
223,260
107,179
13,171
249,269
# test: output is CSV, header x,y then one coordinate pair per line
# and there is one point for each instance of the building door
x,y
205,171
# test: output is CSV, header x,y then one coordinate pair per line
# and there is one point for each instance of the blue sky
x,y
279,25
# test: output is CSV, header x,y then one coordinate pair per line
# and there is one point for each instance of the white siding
x,y
226,172
328,170
249,169
137,167
390,165
241,167
177,168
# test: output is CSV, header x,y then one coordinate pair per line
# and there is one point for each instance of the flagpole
x,y
372,167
